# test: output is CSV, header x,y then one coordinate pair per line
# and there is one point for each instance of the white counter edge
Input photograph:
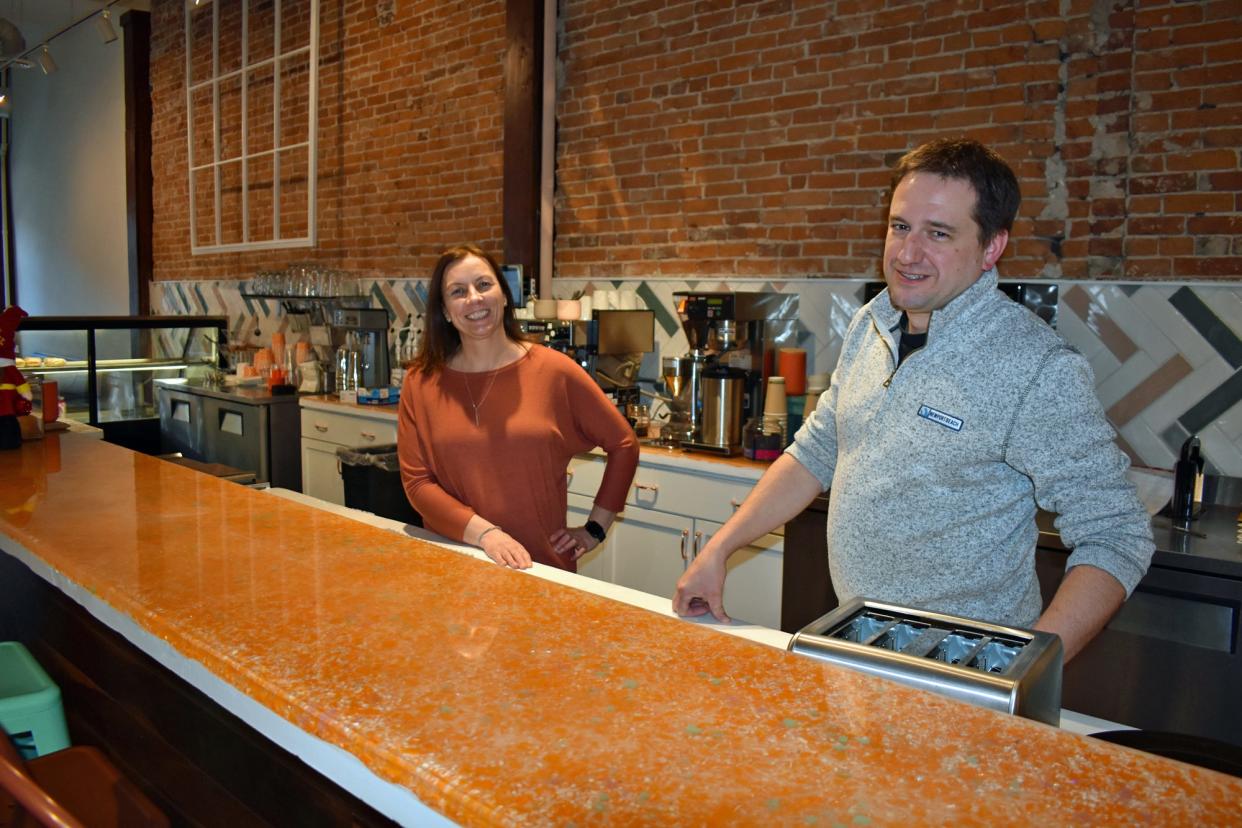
x,y
337,764
633,597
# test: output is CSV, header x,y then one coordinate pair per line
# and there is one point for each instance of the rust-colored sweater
x,y
537,414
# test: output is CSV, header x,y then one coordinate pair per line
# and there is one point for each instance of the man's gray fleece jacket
x,y
936,467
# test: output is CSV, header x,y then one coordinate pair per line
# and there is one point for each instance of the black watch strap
x,y
595,530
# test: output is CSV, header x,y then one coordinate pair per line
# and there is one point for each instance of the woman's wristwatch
x,y
595,530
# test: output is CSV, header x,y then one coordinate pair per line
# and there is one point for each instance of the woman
x,y
489,421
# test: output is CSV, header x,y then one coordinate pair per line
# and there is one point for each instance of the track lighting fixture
x,y
46,63
104,24
13,51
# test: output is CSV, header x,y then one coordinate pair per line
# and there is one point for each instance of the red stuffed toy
x,y
15,393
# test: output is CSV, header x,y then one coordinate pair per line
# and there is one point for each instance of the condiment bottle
x,y
1188,482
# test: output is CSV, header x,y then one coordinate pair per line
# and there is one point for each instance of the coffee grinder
x,y
682,377
733,340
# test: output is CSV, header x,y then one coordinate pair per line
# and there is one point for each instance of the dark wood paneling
x,y
524,21
138,181
199,763
806,587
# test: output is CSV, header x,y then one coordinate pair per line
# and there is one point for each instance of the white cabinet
x,y
670,514
321,476
324,431
652,549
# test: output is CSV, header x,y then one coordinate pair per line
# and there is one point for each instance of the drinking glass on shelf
x,y
293,374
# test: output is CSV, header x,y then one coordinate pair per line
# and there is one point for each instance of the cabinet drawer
x,y
347,430
688,493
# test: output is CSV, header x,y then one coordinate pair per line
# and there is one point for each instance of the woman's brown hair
x,y
440,338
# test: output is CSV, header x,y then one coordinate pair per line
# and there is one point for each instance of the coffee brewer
x,y
363,331
733,339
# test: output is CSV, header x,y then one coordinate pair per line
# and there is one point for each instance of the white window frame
x,y
311,144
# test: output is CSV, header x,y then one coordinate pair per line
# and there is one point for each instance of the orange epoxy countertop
x,y
501,698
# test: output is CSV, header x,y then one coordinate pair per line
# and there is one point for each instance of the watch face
x,y
595,530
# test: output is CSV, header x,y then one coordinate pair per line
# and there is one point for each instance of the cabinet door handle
x,y
698,538
737,504
685,533
647,487
367,435
321,428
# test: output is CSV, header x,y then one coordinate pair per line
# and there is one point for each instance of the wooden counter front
x,y
500,698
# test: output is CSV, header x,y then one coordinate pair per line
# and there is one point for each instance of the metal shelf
x,y
105,365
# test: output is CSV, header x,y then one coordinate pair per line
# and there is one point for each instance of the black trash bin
x,y
372,478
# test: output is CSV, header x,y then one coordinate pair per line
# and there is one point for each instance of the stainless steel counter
x,y
247,427
1210,546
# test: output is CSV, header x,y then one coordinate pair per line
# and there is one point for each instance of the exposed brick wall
x,y
410,138
753,139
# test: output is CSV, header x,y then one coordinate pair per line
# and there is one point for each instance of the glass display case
x,y
105,367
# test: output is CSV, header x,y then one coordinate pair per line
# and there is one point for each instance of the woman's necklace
x,y
482,399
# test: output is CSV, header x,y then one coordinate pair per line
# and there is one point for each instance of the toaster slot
x,y
900,636
928,640
864,628
957,647
995,656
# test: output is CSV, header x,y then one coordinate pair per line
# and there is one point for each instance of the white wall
x,y
68,175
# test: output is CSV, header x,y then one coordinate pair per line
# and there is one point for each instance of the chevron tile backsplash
x,y
1167,357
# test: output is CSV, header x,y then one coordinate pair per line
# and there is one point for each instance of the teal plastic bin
x,y
30,708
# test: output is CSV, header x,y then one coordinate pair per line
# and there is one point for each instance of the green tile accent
x,y
663,316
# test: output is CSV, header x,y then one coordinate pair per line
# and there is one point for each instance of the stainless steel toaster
x,y
1003,668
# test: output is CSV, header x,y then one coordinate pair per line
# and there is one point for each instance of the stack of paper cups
x,y
775,411
584,306
774,401
278,349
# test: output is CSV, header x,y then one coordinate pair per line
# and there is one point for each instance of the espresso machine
x,y
733,340
366,331
609,346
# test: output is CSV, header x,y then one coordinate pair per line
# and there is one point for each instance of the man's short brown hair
x,y
997,195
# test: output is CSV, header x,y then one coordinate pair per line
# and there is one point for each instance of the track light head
x,y
103,23
46,63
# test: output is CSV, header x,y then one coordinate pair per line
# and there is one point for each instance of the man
x,y
952,414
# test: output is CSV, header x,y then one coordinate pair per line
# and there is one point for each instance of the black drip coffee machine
x,y
733,340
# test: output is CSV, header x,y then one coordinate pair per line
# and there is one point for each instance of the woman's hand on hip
x,y
498,545
572,542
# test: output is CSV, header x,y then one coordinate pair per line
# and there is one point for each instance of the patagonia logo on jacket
x,y
940,418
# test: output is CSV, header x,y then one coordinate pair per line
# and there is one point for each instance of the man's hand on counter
x,y
783,491
701,589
